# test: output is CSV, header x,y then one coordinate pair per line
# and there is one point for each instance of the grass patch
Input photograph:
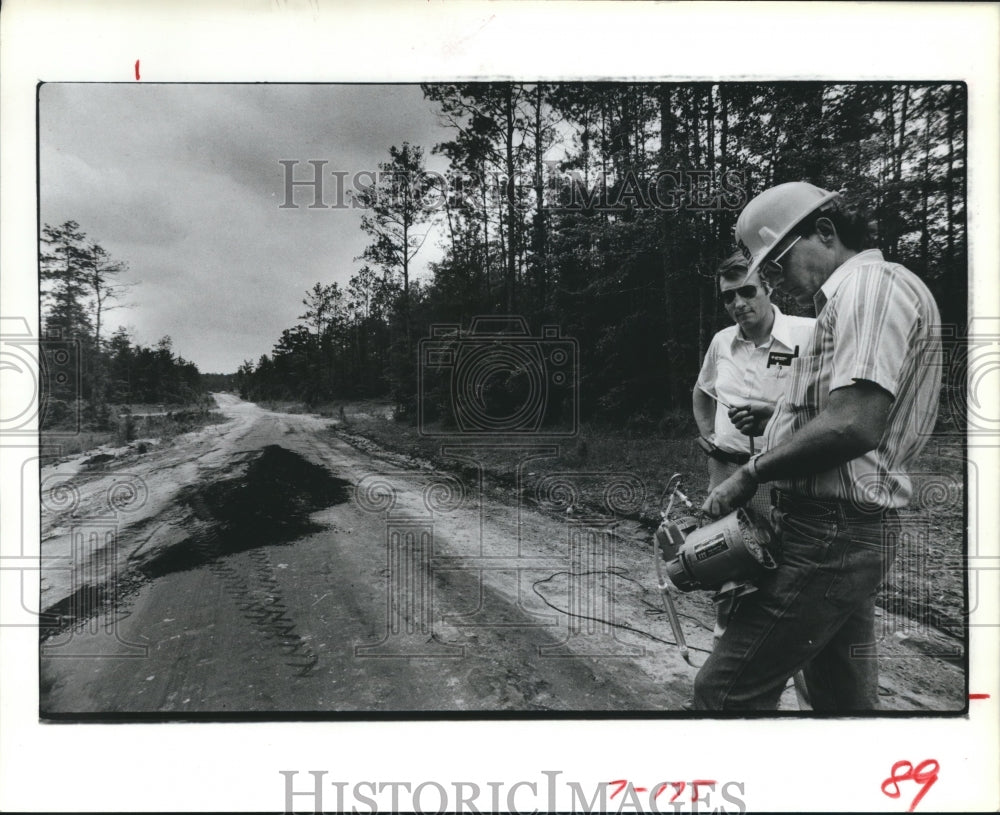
x,y
130,423
648,458
286,406
166,426
54,444
345,412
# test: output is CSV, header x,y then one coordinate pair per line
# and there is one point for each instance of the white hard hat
x,y
769,217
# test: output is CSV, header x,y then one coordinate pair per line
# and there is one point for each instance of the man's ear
x,y
826,230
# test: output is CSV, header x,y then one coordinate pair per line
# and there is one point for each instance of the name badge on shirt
x,y
781,358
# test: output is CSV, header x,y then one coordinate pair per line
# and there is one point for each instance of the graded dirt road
x,y
267,566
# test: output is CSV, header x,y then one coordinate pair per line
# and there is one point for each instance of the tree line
x,y
604,208
85,372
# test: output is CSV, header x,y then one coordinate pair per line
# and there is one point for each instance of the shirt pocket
x,y
804,385
779,373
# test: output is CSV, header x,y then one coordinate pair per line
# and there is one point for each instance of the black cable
x,y
617,572
652,609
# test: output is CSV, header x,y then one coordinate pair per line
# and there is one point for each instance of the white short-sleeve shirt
x,y
737,372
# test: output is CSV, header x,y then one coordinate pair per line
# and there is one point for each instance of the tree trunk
x,y
539,237
512,230
893,203
723,221
710,218
926,184
699,255
406,279
669,284
486,247
950,183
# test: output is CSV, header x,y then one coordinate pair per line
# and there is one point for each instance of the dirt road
x,y
265,566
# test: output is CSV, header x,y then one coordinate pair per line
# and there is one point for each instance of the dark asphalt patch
x,y
269,503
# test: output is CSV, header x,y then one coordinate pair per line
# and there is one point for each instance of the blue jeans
x,y
815,612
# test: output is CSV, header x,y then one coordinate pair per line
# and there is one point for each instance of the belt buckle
x,y
781,499
807,507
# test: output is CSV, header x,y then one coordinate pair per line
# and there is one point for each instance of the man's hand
x,y
751,420
734,492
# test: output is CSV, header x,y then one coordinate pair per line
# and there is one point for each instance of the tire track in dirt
x,y
267,504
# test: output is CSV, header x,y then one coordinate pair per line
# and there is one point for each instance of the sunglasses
x,y
770,270
746,292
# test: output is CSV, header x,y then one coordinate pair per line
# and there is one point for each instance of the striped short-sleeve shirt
x,y
878,322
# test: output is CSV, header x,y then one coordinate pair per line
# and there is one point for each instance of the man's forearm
x,y
704,412
850,426
821,445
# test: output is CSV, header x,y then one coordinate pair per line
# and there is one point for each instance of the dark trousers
x,y
816,612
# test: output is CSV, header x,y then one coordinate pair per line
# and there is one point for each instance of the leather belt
x,y
822,509
722,455
730,458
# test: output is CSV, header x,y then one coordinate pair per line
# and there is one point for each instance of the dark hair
x,y
847,218
733,267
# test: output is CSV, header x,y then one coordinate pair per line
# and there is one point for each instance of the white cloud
x,y
183,182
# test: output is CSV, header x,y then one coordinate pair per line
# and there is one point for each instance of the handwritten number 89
x,y
925,774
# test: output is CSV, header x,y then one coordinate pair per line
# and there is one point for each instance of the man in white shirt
x,y
744,372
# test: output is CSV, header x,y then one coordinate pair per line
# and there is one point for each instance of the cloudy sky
x,y
183,182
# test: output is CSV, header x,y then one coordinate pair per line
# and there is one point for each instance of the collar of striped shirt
x,y
832,283
781,331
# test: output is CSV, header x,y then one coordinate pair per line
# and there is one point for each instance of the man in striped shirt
x,y
860,404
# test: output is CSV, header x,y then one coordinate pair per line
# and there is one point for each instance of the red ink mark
x,y
703,782
924,774
679,787
137,70
979,696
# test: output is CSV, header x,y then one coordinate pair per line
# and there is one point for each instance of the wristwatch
x,y
752,467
